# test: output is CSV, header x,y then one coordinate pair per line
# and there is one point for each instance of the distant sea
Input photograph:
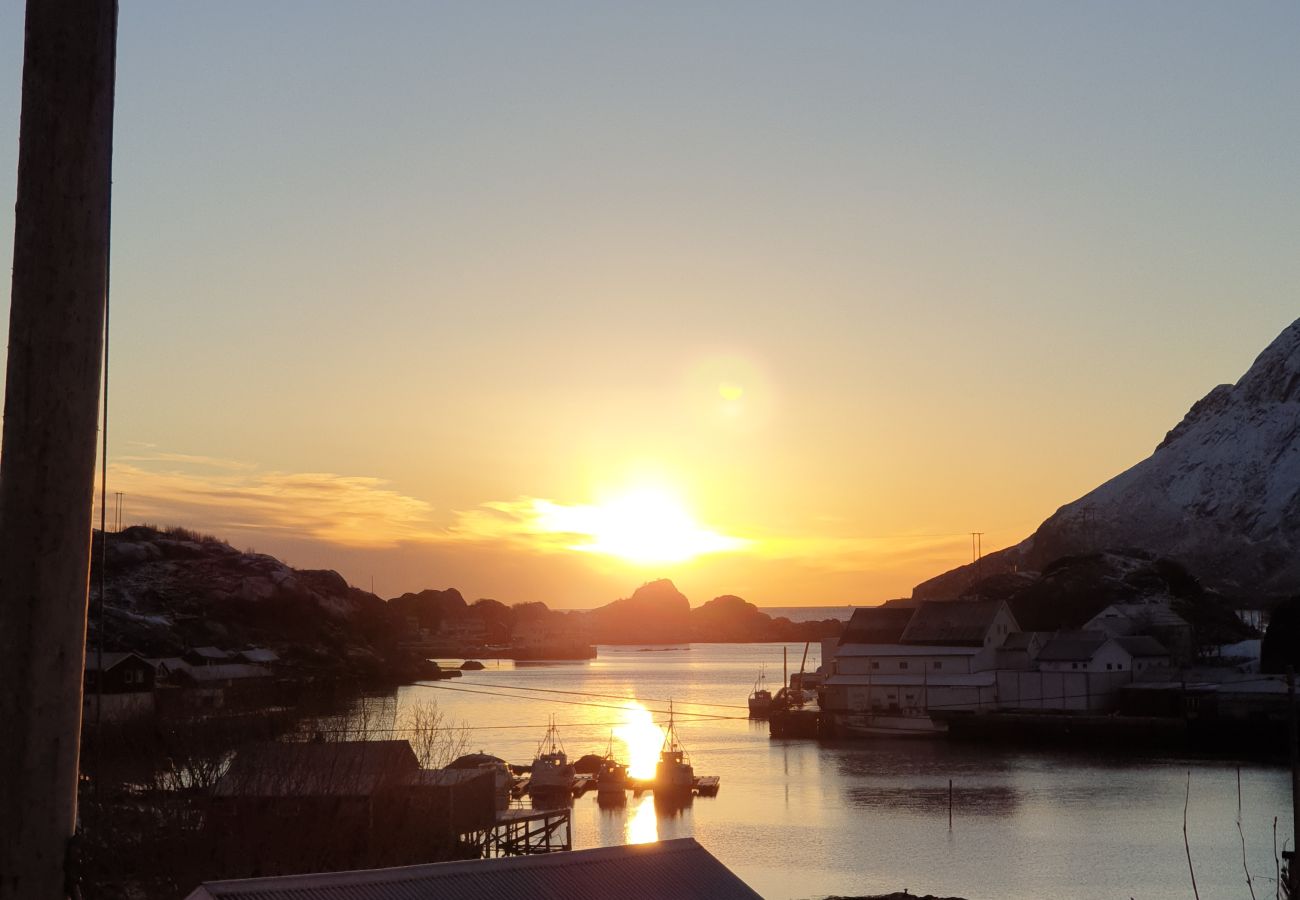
x,y
809,613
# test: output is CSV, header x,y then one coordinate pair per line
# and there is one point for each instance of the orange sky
x,y
538,304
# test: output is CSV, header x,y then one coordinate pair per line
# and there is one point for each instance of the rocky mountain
x,y
1220,495
169,590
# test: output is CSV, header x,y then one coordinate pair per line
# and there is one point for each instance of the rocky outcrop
x,y
169,590
656,613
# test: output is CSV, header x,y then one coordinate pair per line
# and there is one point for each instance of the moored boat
x,y
760,701
552,772
674,779
611,779
896,725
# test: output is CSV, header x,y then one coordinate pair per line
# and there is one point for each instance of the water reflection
x,y
990,800
643,825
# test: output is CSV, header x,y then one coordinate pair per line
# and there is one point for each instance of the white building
x,y
909,661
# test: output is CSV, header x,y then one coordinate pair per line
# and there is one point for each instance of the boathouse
x,y
681,869
287,807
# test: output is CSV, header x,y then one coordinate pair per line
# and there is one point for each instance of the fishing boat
x,y
760,701
611,779
552,772
674,778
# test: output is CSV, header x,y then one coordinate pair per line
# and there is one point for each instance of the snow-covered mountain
x,y
1220,494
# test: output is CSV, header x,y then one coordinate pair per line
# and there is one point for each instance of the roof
x,y
259,655
1022,640
974,679
1142,645
951,622
680,868
1074,646
210,653
442,778
474,760
224,672
1155,615
877,625
335,768
903,650
112,660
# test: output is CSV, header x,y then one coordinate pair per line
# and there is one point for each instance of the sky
x,y
544,301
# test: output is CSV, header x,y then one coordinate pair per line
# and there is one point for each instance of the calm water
x,y
803,819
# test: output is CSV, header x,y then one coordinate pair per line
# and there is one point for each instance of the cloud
x,y
225,495
232,497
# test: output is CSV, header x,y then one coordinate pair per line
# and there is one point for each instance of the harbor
x,y
864,808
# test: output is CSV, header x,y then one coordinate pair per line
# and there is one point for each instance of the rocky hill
x,y
1220,495
169,590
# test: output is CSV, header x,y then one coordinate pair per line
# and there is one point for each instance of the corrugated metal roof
x,y
680,869
210,653
331,768
951,622
259,655
877,625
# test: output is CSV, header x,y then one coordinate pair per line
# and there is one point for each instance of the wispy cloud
x,y
235,497
357,511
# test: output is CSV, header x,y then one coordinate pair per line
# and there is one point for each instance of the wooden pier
x,y
524,832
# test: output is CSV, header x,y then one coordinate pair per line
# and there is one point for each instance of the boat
x,y
552,773
502,781
898,724
760,701
674,779
611,779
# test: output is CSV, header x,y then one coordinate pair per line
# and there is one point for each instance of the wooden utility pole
x,y
47,463
1293,741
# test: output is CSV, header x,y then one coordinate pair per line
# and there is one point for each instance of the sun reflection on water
x,y
643,827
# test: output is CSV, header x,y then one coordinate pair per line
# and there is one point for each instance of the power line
x,y
516,687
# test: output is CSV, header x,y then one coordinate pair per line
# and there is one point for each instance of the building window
x,y
903,664
938,664
875,664
1074,665
1119,666
1107,667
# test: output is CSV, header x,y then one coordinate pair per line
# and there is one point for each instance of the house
x,y
122,673
1083,651
214,686
293,807
679,868
1080,671
206,656
119,686
1156,619
1145,651
1021,648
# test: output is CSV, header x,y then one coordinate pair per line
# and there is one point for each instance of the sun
x,y
644,525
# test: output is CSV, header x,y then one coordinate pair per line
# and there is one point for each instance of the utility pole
x,y
1293,738
56,327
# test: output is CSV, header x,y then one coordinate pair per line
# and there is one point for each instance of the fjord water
x,y
801,818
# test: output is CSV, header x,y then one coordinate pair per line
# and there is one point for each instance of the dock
x,y
701,785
